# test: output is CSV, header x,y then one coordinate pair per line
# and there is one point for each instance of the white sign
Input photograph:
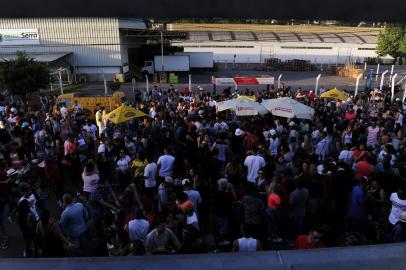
x,y
224,81
266,80
11,37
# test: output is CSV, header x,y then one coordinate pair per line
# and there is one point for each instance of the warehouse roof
x,y
343,37
39,57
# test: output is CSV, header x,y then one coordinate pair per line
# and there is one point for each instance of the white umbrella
x,y
242,107
289,108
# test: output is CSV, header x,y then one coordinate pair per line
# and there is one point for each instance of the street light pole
x,y
393,86
162,50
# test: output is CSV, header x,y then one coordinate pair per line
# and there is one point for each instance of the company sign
x,y
243,81
223,81
12,37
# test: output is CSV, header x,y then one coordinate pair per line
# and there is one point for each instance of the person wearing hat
x,y
398,233
193,195
188,209
166,196
274,143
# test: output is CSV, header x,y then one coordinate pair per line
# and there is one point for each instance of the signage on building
x,y
243,81
12,37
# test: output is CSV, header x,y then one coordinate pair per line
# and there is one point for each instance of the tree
x,y
23,75
390,41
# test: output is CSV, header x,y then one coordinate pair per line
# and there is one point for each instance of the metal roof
x,y
343,37
39,57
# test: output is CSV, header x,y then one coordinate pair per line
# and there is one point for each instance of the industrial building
x,y
255,47
89,49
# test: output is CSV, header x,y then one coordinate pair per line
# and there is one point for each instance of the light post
x,y
393,86
317,85
382,78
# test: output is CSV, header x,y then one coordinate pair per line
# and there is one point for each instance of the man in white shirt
x,y
253,162
346,155
165,164
64,111
150,178
138,228
99,121
315,134
273,143
91,129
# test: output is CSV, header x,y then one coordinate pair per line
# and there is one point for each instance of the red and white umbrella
x,y
289,108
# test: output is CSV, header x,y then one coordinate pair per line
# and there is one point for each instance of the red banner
x,y
246,80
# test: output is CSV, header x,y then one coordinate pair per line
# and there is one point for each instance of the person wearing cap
x,y
166,196
274,143
188,209
398,233
193,195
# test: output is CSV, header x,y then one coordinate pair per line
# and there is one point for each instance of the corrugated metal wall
x,y
95,42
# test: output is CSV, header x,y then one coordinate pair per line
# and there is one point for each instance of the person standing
x,y
254,163
150,182
357,213
51,239
298,201
165,164
99,121
161,240
73,220
138,227
398,200
373,132
246,243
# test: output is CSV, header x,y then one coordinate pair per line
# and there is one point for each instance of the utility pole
x,y
162,50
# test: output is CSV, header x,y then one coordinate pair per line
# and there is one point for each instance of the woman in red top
x,y
359,153
310,241
272,211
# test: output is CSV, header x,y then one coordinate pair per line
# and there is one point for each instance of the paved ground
x,y
306,80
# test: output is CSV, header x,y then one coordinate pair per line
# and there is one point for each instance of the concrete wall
x,y
379,257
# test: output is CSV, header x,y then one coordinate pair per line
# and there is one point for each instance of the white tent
x,y
289,108
242,107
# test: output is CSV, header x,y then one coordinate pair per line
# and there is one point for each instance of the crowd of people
x,y
188,179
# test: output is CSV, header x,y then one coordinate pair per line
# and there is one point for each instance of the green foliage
x,y
391,41
23,76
